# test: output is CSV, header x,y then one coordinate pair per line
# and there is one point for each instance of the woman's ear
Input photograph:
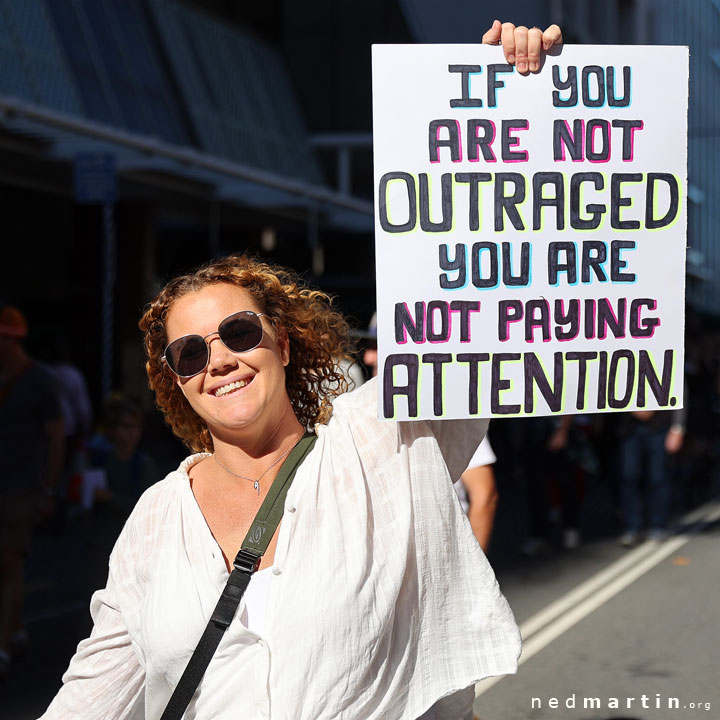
x,y
283,343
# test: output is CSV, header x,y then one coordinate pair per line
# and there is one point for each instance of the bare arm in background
x,y
482,494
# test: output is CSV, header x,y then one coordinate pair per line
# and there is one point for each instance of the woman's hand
x,y
521,46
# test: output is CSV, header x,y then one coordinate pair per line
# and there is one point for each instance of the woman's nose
x,y
220,357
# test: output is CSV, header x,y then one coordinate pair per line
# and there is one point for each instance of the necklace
x,y
256,481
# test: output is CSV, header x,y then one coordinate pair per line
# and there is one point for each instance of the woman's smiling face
x,y
236,391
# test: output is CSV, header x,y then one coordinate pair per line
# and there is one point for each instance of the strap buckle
x,y
247,561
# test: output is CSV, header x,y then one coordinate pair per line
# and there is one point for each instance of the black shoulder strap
x,y
245,564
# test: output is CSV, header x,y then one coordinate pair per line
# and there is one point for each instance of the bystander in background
x,y
128,471
557,458
646,439
31,459
478,493
77,417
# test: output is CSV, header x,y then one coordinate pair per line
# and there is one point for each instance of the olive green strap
x,y
271,511
245,564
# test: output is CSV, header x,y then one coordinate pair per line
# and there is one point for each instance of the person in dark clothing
x,y
128,472
646,438
31,459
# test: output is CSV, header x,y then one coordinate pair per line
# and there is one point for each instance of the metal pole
x,y
214,230
108,298
344,171
185,156
316,249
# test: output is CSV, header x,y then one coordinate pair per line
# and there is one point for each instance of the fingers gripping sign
x,y
522,46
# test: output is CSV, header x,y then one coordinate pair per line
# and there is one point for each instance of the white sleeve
x,y
104,680
484,455
457,439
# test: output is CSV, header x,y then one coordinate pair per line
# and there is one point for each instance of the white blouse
x,y
256,599
380,603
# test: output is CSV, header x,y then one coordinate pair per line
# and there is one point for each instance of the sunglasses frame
x,y
216,332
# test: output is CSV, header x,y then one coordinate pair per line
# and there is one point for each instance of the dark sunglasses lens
x,y
241,331
187,356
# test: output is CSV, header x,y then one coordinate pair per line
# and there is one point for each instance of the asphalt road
x,y
636,639
599,622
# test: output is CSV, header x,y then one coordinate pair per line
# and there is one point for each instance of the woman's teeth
x,y
225,389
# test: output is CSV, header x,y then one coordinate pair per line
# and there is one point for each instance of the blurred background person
x,y
128,469
119,471
557,457
31,458
370,353
646,439
478,493
77,417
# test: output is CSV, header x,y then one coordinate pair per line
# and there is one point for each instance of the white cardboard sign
x,y
530,230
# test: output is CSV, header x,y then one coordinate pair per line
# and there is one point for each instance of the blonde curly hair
x,y
318,336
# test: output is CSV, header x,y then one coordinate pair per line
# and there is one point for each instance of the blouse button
x,y
276,570
291,508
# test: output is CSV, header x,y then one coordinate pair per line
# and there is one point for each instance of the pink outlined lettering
x,y
592,143
582,142
652,308
565,315
513,141
488,143
404,329
589,319
504,306
430,321
465,313
632,141
532,324
602,332
438,140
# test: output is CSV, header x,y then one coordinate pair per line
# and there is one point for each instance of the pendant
x,y
257,486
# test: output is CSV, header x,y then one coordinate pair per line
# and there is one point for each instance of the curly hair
x,y
318,336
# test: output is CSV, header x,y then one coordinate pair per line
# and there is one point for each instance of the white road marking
x,y
573,597
562,614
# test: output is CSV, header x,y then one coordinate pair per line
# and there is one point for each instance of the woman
x,y
372,600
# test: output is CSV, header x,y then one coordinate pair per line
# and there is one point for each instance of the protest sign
x,y
530,230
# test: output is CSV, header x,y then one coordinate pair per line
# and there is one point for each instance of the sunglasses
x,y
190,354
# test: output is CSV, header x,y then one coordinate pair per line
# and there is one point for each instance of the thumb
x,y
492,36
